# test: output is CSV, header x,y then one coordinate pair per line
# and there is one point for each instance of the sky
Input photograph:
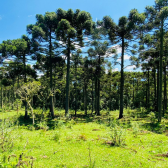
x,y
15,15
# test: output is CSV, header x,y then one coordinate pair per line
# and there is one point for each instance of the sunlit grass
x,y
85,142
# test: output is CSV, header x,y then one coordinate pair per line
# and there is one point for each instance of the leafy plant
x,y
83,137
43,126
56,136
135,127
6,138
152,117
117,135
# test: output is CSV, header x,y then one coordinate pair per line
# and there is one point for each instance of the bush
x,y
58,124
6,138
113,122
56,136
152,117
43,126
117,135
135,127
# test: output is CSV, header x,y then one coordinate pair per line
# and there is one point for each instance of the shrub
x,y
152,117
117,135
71,123
83,137
6,138
135,127
113,122
31,127
56,136
43,126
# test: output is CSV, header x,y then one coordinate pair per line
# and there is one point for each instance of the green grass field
x,y
99,142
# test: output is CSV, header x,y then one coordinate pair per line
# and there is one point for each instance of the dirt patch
x,y
162,155
95,129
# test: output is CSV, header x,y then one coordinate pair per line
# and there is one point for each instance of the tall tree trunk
x,y
75,99
96,95
158,88
18,85
92,94
165,92
67,80
122,81
13,94
25,81
146,95
148,100
133,92
75,86
1,95
98,90
51,80
85,97
160,73
155,94
110,108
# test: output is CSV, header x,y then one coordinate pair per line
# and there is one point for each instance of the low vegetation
x,y
92,141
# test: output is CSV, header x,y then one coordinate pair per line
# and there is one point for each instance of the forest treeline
x,y
76,57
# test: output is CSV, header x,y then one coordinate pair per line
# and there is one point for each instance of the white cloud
x,y
115,69
131,67
30,15
126,57
0,17
40,74
64,57
86,39
7,60
109,51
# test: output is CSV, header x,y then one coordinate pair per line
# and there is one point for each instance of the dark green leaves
x,y
83,17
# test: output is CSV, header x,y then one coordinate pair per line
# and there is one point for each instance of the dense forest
x,y
64,104
76,57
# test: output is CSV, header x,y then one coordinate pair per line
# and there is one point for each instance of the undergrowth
x,y
82,141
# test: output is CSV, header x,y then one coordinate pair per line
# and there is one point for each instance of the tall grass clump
x,y
117,136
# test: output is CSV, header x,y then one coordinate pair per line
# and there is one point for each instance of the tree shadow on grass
x,y
155,127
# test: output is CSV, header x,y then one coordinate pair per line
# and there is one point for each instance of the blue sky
x,y
15,15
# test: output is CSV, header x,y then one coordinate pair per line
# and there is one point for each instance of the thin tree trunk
x,y
67,80
25,81
13,95
133,92
110,108
85,97
122,81
96,95
51,81
75,86
165,92
98,90
1,95
92,94
155,94
160,73
18,85
146,96
148,100
158,89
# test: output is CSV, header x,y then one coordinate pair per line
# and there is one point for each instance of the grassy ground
x,y
100,142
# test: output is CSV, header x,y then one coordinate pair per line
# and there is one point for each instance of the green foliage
x,y
13,161
43,126
152,117
59,123
135,127
117,136
6,138
56,136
